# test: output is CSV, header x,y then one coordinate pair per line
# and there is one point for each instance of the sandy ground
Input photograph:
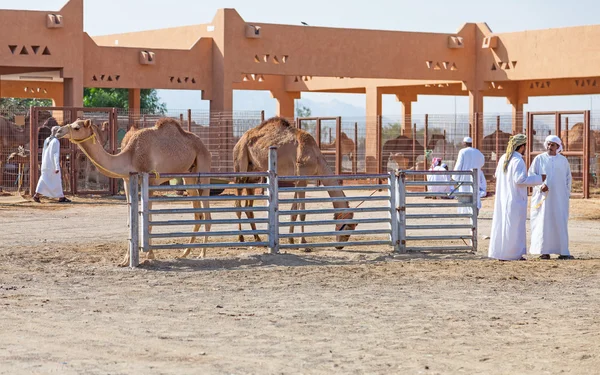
x,y
67,308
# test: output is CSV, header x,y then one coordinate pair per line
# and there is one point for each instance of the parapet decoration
x,y
490,42
147,58
54,21
174,79
445,64
504,65
23,50
275,60
252,31
104,77
456,42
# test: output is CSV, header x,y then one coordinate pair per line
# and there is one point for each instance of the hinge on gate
x,y
403,208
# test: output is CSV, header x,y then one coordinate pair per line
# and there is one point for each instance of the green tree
x,y
303,111
119,98
17,104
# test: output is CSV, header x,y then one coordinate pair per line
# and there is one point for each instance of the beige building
x,y
46,54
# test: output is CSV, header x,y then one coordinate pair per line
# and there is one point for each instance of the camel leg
x,y
293,218
238,204
150,254
199,216
125,261
250,214
302,206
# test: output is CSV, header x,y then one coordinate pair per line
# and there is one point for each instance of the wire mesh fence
x,y
368,144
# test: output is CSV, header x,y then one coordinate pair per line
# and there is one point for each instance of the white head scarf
x,y
54,130
555,139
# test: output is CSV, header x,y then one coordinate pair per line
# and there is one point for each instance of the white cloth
x,y
482,185
555,139
550,210
508,237
439,177
50,182
468,159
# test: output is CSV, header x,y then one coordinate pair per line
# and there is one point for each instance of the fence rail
x,y
385,226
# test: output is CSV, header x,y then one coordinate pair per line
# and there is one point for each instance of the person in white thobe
x,y
50,182
468,159
482,185
508,237
436,165
550,202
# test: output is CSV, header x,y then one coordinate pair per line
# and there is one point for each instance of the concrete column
x,y
518,117
134,104
73,92
476,121
373,130
285,103
406,114
221,140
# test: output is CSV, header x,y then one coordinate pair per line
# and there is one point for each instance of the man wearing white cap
x,y
550,202
50,182
468,159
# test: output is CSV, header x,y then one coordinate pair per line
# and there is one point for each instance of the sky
x,y
446,16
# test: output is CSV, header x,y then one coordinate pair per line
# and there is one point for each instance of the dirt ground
x,y
67,308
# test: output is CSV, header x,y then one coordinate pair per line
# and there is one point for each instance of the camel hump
x,y
275,121
167,121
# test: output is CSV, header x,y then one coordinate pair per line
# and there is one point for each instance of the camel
x,y
90,172
488,148
404,145
165,148
297,154
21,158
347,146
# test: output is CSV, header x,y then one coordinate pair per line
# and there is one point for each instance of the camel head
x,y
344,237
80,130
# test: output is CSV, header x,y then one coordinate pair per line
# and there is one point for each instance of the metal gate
x,y
79,175
386,224
573,128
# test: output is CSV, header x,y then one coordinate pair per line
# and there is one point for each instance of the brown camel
x,y
165,148
404,145
21,158
90,172
488,149
347,146
297,154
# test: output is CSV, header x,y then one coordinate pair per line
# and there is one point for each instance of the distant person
x,y
468,159
482,185
50,182
508,237
436,165
550,202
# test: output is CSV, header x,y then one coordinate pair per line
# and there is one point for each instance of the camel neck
x,y
116,166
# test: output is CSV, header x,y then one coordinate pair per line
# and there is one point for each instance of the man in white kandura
x,y
550,202
508,238
468,159
50,182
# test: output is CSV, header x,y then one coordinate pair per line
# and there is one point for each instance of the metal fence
x,y
383,219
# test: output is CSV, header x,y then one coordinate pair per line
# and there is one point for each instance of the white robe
x,y
550,215
482,185
509,231
468,159
439,177
50,183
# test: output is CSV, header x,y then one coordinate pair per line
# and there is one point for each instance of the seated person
x,y
436,165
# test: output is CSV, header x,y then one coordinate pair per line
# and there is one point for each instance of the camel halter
x,y
93,138
109,173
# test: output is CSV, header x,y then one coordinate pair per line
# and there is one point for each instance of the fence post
x,y
273,192
189,121
145,197
475,209
134,255
394,212
401,201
